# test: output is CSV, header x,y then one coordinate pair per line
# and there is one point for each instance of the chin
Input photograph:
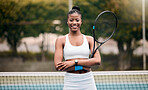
x,y
74,30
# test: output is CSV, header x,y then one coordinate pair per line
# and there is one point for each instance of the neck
x,y
77,33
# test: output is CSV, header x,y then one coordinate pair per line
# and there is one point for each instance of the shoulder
x,y
61,39
89,38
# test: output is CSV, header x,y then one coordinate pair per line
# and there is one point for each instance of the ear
x,y
81,21
67,22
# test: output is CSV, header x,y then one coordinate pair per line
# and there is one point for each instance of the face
x,y
74,21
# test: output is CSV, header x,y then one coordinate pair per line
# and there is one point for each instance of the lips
x,y
74,27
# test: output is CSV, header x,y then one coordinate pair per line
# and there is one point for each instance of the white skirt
x,y
79,81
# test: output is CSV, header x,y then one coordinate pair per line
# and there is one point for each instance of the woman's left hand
x,y
62,66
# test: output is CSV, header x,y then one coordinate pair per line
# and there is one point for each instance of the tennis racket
x,y
104,28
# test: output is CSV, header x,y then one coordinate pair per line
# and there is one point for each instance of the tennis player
x,y
76,47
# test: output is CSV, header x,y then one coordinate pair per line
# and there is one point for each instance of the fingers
x,y
61,66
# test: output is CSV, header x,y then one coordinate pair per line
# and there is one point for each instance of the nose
x,y
74,22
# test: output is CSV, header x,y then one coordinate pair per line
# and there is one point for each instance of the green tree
x,y
23,20
129,26
129,31
12,33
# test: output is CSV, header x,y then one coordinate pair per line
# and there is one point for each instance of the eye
x,y
70,20
77,20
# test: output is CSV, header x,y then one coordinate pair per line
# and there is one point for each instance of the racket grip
x,y
78,68
93,27
92,55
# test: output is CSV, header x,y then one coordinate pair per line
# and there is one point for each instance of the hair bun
x,y
76,7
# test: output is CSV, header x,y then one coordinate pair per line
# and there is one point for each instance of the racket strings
x,y
104,26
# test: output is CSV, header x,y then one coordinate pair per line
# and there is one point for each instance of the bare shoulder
x,y
89,38
61,39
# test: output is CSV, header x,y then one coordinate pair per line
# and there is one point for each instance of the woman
x,y
76,47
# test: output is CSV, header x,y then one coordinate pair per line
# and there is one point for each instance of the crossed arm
x,y
69,64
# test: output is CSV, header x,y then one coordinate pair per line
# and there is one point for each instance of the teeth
x,y
74,26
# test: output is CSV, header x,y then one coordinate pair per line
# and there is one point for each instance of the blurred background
x,y
29,28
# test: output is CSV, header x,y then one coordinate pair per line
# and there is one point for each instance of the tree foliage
x,y
23,20
20,19
129,31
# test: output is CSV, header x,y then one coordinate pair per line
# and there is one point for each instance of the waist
x,y
79,71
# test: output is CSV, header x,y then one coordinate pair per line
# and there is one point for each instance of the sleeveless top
x,y
71,52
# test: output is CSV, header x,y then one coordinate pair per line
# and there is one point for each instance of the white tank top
x,y
71,52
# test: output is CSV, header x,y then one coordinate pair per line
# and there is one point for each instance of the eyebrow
x,y
75,18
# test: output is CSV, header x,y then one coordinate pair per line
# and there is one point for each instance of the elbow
x,y
98,62
56,68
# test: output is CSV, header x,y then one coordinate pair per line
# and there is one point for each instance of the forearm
x,y
66,65
89,62
96,60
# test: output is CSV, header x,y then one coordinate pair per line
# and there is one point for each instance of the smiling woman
x,y
75,47
74,20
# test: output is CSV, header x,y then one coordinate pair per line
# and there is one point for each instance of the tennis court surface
x,y
105,80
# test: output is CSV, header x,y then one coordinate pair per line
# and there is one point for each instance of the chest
x,y
76,41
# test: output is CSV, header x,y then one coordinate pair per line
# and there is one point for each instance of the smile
x,y
74,26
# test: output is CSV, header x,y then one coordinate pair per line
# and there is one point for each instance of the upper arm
x,y
91,44
58,56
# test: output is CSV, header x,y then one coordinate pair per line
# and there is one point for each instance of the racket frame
x,y
95,40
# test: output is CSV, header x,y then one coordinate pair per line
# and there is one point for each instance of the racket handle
x,y
93,27
92,55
